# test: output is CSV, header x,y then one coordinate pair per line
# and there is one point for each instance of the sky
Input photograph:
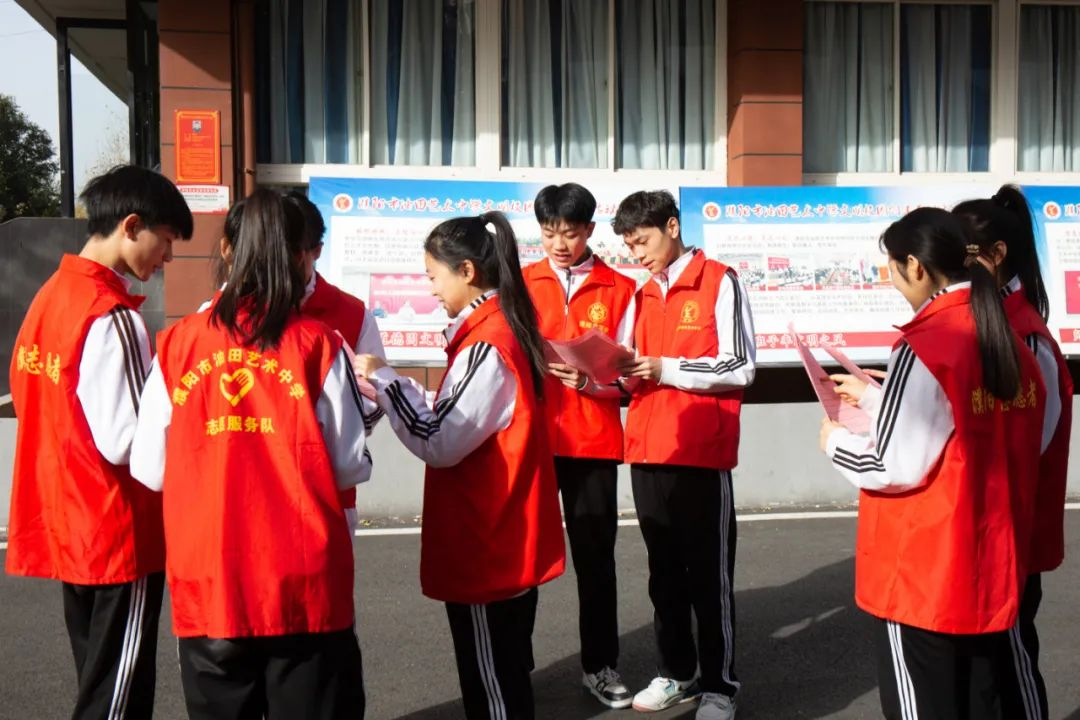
x,y
28,73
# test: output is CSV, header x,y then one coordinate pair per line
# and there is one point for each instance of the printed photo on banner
x,y
810,256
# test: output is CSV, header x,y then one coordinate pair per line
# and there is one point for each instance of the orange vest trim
x,y
1048,537
952,556
665,425
580,425
75,517
258,543
492,526
342,312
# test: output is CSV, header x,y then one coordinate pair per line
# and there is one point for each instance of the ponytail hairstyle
x,y
264,285
495,257
1006,217
230,233
946,248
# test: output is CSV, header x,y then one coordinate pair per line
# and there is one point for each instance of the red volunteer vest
x,y
952,555
1048,537
257,539
492,527
667,426
580,425
344,313
74,516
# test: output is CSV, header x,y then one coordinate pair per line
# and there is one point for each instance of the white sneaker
x,y
715,706
665,692
607,687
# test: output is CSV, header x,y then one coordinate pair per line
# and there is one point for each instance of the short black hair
x,y
314,226
645,208
132,190
571,203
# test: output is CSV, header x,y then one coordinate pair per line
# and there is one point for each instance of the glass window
x,y
423,100
307,81
555,83
945,88
1049,89
666,84
849,88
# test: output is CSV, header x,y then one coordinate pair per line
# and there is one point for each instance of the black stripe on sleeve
x,y
890,409
133,369
424,428
369,420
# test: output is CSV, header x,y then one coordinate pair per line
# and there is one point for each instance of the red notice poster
x,y
198,147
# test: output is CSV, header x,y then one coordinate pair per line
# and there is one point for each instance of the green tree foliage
x,y
28,166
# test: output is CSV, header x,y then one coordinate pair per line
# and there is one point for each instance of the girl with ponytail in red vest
x,y
947,476
1003,224
250,427
492,531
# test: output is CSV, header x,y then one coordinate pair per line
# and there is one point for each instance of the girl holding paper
x,y
1003,224
492,531
945,475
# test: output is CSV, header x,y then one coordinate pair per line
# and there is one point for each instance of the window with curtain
x,y
423,107
1049,89
945,88
850,87
555,83
665,84
307,81
848,82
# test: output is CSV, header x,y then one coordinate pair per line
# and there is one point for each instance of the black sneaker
x,y
607,687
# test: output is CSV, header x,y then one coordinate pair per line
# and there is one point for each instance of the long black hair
x,y
944,245
230,232
495,257
265,279
1006,217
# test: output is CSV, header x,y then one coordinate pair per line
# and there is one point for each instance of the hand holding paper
x,y
361,366
853,418
593,353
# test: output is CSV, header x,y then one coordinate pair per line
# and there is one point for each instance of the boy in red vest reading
x,y
695,342
76,513
574,290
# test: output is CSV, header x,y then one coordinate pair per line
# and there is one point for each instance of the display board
x,y
1056,211
374,245
810,256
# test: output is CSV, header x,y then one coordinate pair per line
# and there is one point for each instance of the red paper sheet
x,y
854,419
593,353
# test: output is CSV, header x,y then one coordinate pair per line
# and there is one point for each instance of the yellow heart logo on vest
x,y
598,312
691,311
243,380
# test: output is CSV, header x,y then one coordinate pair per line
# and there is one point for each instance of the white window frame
x,y
488,166
1004,99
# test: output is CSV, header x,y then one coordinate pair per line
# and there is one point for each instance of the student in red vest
x,y
695,341
1003,223
250,427
491,531
341,311
575,291
76,514
947,477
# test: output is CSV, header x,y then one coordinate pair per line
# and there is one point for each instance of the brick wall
x,y
196,74
765,85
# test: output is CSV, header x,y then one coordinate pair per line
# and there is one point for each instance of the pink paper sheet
x,y
366,388
851,367
854,419
593,353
